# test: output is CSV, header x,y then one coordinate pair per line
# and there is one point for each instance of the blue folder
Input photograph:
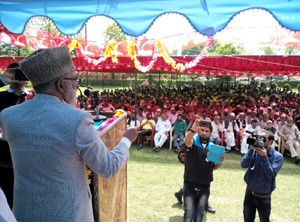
x,y
215,153
98,124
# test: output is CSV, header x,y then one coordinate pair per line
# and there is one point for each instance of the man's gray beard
x,y
71,99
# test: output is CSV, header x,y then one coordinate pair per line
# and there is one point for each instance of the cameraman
x,y
8,75
15,94
263,163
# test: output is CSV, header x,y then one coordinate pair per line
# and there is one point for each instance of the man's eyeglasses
x,y
77,78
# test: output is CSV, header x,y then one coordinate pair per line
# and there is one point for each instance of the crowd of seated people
x,y
232,107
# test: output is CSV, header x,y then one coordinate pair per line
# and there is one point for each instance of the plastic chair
x,y
222,139
149,138
281,146
171,138
277,142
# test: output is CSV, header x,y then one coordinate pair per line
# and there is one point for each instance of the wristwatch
x,y
193,131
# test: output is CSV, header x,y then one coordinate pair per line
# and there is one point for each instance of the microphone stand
x,y
96,101
81,100
94,95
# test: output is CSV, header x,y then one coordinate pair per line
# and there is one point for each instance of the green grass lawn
x,y
154,177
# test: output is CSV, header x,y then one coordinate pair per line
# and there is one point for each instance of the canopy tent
x,y
135,16
234,66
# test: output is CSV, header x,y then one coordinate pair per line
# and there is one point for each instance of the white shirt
x,y
216,129
132,124
249,128
162,126
5,211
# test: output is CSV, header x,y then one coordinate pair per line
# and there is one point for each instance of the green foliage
x,y
291,50
193,51
13,51
263,85
44,24
287,86
212,49
269,50
274,85
298,87
113,32
229,49
215,49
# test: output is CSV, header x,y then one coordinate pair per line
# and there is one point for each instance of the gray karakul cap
x,y
45,65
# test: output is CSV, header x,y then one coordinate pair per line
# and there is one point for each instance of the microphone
x,y
94,94
87,92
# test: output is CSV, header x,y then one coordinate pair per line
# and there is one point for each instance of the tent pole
x,y
135,93
102,81
159,83
159,78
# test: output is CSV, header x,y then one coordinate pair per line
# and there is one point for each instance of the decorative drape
x,y
136,16
234,66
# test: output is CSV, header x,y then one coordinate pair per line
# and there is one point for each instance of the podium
x,y
110,195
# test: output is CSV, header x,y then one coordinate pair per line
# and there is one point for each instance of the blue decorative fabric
x,y
136,16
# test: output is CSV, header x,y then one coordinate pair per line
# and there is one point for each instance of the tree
x,y
269,50
198,49
13,51
212,49
44,24
287,87
274,85
113,32
229,49
298,87
192,51
291,50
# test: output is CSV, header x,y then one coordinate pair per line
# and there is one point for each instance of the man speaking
x,y
51,141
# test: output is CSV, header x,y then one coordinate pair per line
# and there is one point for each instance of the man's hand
x,y
217,166
131,134
261,151
181,157
252,147
223,158
8,75
195,125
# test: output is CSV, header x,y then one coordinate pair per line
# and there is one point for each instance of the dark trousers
x,y
7,183
6,172
195,201
144,133
251,203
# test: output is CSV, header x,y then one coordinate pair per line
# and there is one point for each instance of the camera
x,y
255,140
20,76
